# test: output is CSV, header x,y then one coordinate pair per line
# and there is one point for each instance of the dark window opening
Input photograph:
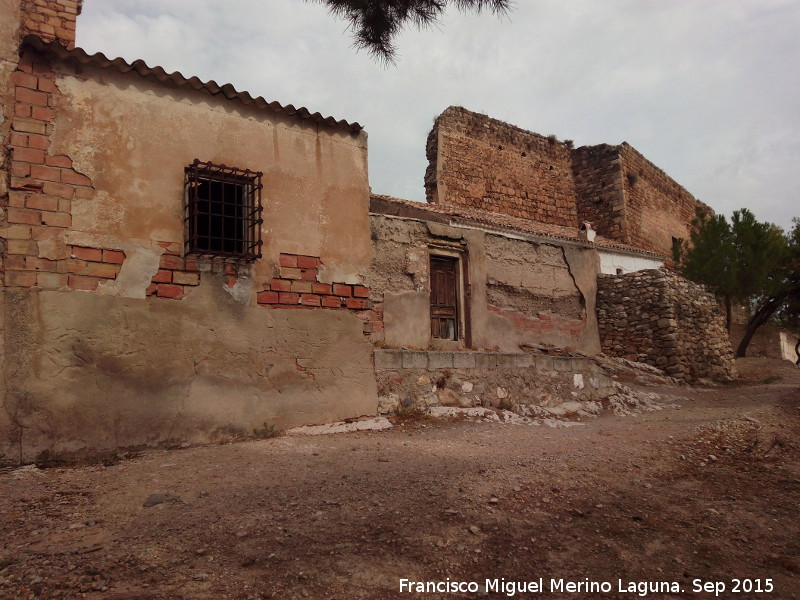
x,y
444,298
223,211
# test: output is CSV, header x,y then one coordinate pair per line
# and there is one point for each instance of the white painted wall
x,y
610,262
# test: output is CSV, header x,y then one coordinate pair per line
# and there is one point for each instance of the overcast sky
x,y
707,90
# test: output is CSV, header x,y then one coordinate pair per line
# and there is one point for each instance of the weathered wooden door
x,y
444,297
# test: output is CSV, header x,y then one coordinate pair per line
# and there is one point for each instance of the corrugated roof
x,y
467,215
177,79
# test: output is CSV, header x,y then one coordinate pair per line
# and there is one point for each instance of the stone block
x,y
463,360
562,363
485,360
415,359
440,360
506,361
544,363
524,361
388,359
580,364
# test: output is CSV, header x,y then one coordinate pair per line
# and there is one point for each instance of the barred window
x,y
222,211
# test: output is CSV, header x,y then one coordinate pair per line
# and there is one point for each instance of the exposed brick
x,y
356,303
38,141
28,185
310,300
31,155
309,274
291,273
169,261
25,80
173,248
72,265
59,161
102,270
79,282
322,288
287,260
303,287
288,298
113,256
267,297
22,215
307,262
20,169
42,113
74,178
280,285
331,301
57,219
22,247
20,278
45,84
191,264
32,263
15,262
84,192
163,276
151,289
58,189
23,110
16,232
341,289
18,139
30,96
41,202
82,253
169,290
359,291
46,173
185,278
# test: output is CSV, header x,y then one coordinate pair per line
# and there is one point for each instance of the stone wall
x,y
767,342
598,186
484,163
661,319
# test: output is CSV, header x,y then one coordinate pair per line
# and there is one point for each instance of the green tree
x,y
375,24
745,261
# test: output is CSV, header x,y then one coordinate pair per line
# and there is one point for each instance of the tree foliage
x,y
376,24
749,262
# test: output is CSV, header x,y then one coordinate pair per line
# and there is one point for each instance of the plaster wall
x,y
516,291
767,342
612,262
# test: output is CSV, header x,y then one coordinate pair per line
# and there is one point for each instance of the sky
x,y
708,90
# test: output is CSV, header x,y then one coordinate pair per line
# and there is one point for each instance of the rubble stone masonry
x,y
664,320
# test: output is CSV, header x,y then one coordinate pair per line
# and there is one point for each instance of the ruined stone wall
x,y
113,337
516,291
483,163
599,190
657,208
659,318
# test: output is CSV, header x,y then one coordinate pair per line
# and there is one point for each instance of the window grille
x,y
223,209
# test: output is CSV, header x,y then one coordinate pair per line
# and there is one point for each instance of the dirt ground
x,y
708,491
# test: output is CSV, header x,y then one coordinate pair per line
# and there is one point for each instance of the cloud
x,y
707,91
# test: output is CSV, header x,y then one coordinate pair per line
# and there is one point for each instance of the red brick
x,y
22,247
82,253
21,169
72,265
172,248
280,285
309,300
309,274
18,139
359,291
74,178
356,303
28,185
25,80
57,219
23,110
41,202
151,289
31,155
45,84
331,301
113,256
163,276
267,297
290,273
22,215
288,298
287,260
58,189
30,96
302,287
307,262
102,270
15,262
377,326
169,261
42,113
231,269
41,68
169,290
78,282
38,141
16,232
341,289
191,264
322,288
41,264
51,281
46,173
59,161
20,278
184,278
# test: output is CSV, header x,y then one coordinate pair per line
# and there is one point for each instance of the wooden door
x,y
444,297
